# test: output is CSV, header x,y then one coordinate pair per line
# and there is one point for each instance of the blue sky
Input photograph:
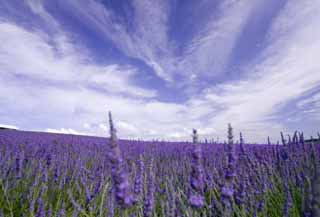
x,y
162,67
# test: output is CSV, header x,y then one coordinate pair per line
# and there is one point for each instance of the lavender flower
x,y
19,164
138,185
49,211
288,200
243,158
289,139
301,138
269,142
283,139
240,194
65,175
315,203
227,191
241,139
149,199
307,208
75,213
196,198
61,212
295,138
40,212
120,180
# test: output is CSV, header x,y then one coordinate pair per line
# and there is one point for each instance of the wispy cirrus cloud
x,y
146,36
62,64
210,50
310,107
37,8
285,71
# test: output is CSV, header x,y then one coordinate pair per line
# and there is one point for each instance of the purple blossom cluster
x,y
196,198
123,193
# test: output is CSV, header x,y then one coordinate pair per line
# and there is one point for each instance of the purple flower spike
x,y
283,139
288,200
196,201
138,185
227,191
120,180
149,199
196,198
316,189
269,142
40,212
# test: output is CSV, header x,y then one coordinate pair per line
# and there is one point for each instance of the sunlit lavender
x,y
65,175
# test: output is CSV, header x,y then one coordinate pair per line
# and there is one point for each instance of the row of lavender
x,y
64,175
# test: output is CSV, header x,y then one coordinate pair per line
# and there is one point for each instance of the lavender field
x,y
44,174
216,108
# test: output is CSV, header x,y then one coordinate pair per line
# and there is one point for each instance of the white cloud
x,y
147,39
310,106
127,127
64,131
103,127
40,60
209,51
37,7
313,100
86,126
285,71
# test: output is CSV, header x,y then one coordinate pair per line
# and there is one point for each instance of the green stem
x,y
58,202
126,213
102,199
7,199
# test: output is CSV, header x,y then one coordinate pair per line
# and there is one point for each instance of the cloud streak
x,y
284,72
147,39
63,63
209,51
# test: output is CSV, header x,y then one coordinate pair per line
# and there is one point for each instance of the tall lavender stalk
x,y
19,164
227,190
40,211
269,142
240,192
123,194
289,139
301,138
307,208
196,198
138,184
283,139
288,200
149,198
243,157
315,203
